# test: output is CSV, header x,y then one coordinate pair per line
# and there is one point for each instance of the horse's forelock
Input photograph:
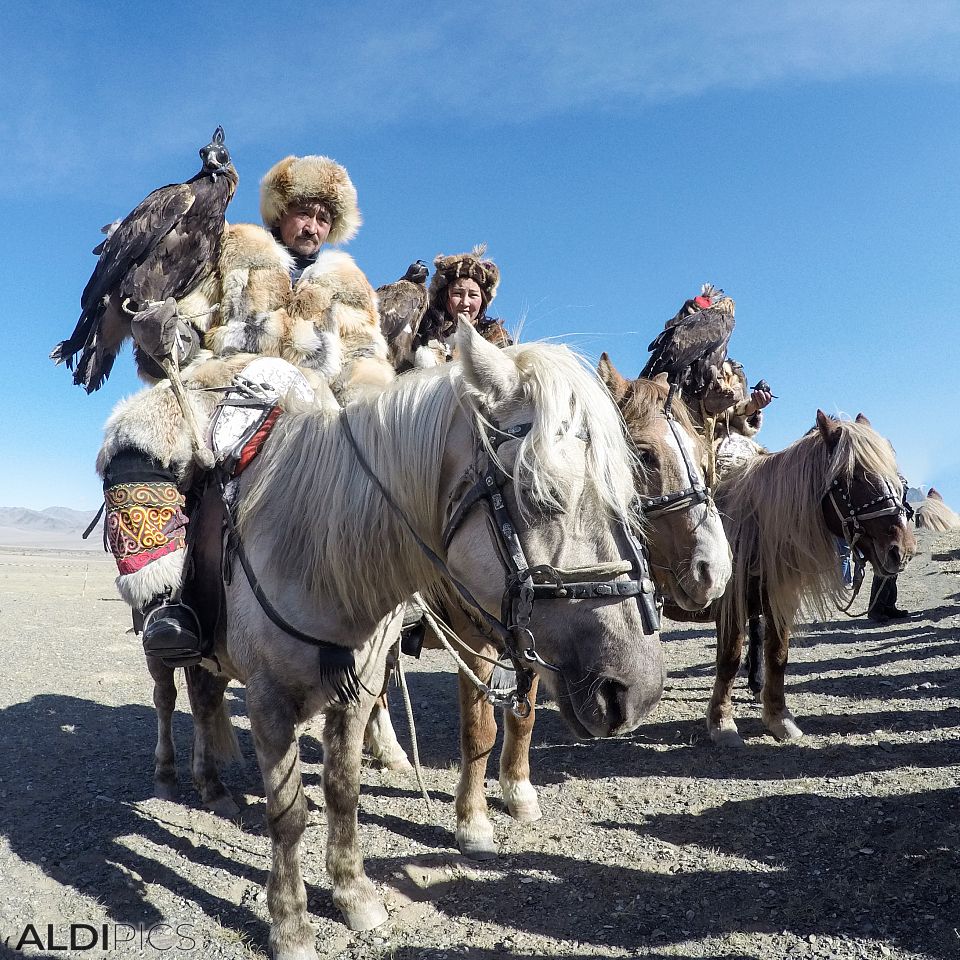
x,y
859,445
645,402
568,400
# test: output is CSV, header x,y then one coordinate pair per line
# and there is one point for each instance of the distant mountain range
x,y
54,527
61,519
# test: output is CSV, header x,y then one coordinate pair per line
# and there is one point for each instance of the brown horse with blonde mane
x,y
783,513
934,514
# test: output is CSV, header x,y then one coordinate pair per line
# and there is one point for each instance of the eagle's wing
x,y
400,305
138,233
103,324
701,336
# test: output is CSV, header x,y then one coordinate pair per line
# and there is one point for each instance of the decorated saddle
x,y
249,409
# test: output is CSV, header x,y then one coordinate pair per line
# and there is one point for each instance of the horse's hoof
x,y
398,763
521,800
365,916
784,728
297,953
166,790
725,735
477,843
223,806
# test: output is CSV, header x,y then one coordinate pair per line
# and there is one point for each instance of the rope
x,y
414,746
494,697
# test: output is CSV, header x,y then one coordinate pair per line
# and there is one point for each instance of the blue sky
x,y
613,156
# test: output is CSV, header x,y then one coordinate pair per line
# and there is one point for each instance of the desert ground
x,y
844,844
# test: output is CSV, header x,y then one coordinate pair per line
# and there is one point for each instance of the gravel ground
x,y
845,844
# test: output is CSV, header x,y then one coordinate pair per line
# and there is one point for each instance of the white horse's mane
x,y
329,524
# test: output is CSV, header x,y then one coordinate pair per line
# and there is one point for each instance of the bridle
x,y
524,584
851,514
690,496
889,503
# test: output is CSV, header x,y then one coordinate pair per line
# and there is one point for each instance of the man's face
x,y
304,227
464,299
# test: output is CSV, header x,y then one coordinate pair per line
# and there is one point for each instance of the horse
x,y
783,513
934,514
689,553
690,563
347,511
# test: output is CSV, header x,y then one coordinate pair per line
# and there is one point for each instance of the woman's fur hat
x,y
472,265
300,179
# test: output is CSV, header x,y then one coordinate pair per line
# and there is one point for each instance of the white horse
x,y
335,552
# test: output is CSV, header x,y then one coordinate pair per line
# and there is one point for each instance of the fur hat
x,y
299,179
460,265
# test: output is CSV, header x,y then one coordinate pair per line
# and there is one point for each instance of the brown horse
x,y
934,514
690,561
783,512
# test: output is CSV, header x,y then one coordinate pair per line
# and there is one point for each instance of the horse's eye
x,y
647,458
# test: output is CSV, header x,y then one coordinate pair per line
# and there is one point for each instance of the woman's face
x,y
464,299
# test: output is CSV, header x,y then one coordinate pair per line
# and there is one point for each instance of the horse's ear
x,y
934,494
829,429
862,419
612,380
662,378
486,367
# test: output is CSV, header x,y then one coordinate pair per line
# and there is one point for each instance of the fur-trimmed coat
x,y
326,322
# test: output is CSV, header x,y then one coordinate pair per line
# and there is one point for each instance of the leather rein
x,y
524,583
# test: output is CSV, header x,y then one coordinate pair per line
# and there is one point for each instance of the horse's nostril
x,y
703,572
612,702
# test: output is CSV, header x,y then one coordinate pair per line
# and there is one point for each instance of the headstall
x,y
525,583
693,494
888,503
851,514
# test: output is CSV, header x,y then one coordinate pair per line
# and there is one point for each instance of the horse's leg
x,y
273,724
164,699
720,723
380,739
755,630
214,739
776,717
478,731
518,792
353,893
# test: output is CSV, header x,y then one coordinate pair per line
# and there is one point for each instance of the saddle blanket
x,y
249,409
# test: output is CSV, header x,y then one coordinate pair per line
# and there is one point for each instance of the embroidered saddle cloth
x,y
250,407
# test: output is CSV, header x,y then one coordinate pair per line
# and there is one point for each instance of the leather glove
x,y
161,333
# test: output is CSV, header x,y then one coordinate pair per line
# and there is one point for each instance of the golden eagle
x,y
163,249
401,306
693,344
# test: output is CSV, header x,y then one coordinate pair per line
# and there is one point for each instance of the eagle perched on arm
x,y
693,344
157,254
401,306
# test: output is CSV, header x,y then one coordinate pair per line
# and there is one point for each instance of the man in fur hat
x,y
274,292
463,286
